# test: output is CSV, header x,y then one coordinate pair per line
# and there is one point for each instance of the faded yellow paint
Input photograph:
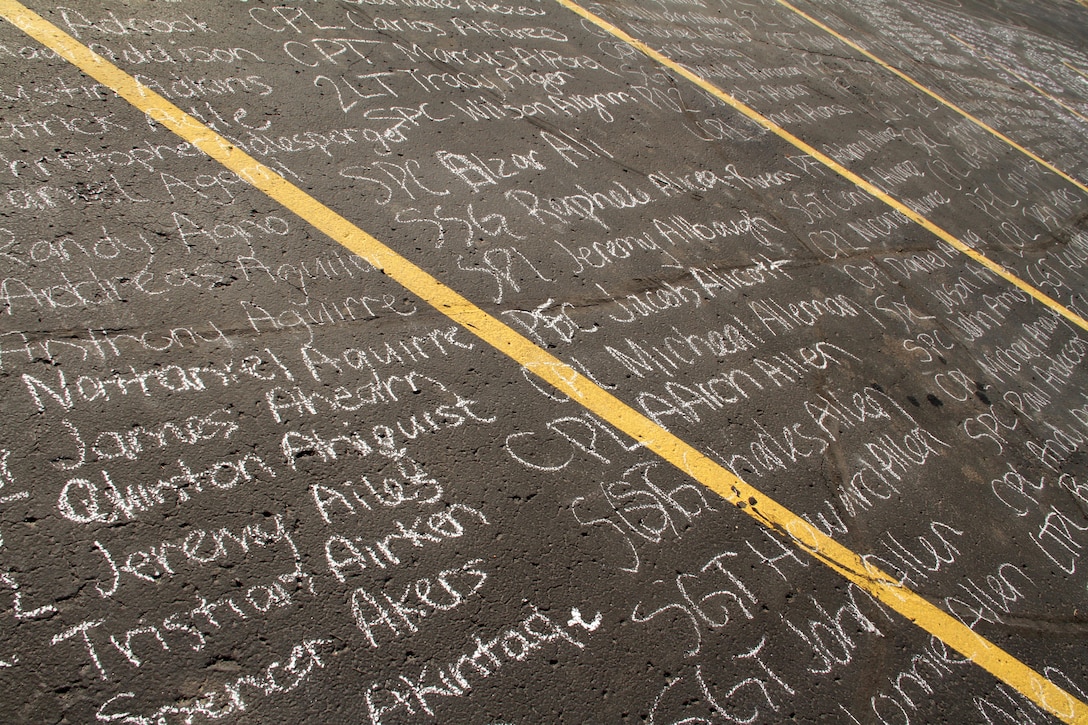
x,y
1020,77
835,166
549,368
934,95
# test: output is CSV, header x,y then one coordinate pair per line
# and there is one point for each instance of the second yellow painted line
x,y
683,456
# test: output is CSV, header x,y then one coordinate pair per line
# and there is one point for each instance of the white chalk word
x,y
397,699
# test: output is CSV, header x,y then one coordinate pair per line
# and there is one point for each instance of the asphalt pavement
x,y
460,361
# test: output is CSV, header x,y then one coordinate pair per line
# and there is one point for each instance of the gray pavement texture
x,y
249,476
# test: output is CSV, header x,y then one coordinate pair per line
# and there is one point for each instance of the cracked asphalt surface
x,y
396,361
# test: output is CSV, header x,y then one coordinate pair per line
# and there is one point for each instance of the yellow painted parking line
x,y
490,330
1072,67
830,163
1019,77
933,94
